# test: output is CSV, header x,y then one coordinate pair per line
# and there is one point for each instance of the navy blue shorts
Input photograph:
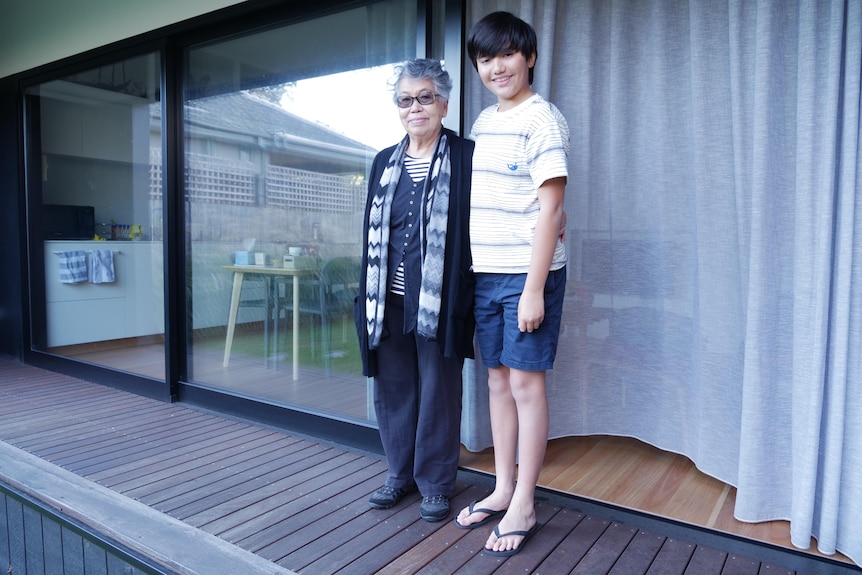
x,y
500,341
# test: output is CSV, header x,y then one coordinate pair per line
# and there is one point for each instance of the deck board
x,y
706,561
280,521
301,503
157,475
304,528
736,565
639,554
604,554
673,557
243,502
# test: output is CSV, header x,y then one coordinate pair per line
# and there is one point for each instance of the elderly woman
x,y
415,311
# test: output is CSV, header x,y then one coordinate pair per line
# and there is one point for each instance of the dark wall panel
x,y
11,219
35,541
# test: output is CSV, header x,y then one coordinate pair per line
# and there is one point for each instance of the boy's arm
x,y
531,308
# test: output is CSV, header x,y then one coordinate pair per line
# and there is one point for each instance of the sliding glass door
x,y
280,128
95,216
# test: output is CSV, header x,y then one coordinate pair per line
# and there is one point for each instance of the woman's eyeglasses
x,y
425,99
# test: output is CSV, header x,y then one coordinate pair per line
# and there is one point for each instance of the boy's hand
x,y
531,311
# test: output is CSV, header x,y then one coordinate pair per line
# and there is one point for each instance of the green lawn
x,y
248,342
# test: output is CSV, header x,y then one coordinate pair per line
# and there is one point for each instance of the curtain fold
x,y
714,302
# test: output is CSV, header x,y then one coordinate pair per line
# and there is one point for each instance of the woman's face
x,y
421,122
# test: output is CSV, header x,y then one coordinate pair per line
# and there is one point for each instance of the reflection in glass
x,y
280,129
96,213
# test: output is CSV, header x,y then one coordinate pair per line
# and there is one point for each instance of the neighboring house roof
x,y
245,114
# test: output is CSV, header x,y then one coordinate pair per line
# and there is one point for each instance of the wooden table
x,y
268,272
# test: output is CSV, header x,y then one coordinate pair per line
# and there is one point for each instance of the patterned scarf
x,y
435,218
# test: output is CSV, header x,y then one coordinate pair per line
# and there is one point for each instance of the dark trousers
x,y
417,398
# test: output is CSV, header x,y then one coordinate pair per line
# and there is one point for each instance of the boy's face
x,y
507,76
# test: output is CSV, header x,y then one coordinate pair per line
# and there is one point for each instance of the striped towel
x,y
73,266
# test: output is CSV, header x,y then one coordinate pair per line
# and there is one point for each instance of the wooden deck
x,y
302,504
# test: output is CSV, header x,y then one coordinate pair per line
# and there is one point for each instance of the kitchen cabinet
x,y
131,306
101,132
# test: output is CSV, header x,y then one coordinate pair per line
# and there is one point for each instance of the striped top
x,y
516,152
417,169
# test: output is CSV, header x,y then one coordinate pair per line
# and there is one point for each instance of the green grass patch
x,y
248,341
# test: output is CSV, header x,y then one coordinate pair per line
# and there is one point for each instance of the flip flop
x,y
491,514
509,552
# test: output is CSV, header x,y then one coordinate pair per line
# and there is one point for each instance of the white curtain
x,y
715,222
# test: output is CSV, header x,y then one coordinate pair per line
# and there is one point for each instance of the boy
x,y
518,188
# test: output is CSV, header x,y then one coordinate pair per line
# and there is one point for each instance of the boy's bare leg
x,y
531,400
504,431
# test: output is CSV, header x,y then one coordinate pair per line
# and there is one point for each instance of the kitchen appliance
x,y
65,222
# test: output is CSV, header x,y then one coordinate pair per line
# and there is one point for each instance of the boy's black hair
x,y
500,32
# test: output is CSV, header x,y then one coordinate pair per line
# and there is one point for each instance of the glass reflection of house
x,y
243,151
254,171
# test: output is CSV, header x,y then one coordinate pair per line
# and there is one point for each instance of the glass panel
x,y
95,197
280,129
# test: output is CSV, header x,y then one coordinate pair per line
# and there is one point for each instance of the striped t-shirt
x,y
516,152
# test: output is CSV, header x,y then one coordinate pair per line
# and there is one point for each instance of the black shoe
x,y
387,497
434,508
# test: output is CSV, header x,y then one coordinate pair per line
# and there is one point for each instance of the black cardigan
x,y
457,323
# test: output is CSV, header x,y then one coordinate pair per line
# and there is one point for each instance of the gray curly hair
x,y
423,68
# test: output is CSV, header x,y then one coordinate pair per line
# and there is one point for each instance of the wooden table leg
x,y
231,320
267,314
295,327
